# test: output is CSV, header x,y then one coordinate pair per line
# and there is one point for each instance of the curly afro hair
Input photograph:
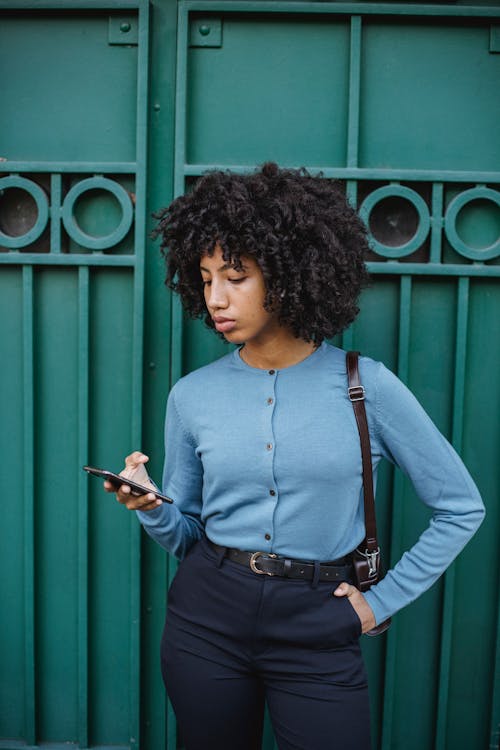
x,y
307,240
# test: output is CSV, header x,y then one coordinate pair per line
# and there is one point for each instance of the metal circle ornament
x,y
72,227
42,207
423,225
450,223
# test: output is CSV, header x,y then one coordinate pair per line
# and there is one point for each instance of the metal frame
x,y
352,174
136,261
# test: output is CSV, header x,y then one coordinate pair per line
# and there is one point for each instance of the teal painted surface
x,y
72,107
72,322
229,93
374,95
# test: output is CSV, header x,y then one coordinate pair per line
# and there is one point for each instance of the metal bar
x,y
55,213
137,364
351,189
388,268
397,522
177,327
433,269
360,173
75,5
66,259
436,222
449,578
326,8
118,167
460,361
179,185
354,93
29,511
83,500
255,6
495,703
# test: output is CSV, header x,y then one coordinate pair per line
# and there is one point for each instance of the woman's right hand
x,y
136,470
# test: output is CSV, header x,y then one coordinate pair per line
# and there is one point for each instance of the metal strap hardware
x,y
371,558
356,393
255,557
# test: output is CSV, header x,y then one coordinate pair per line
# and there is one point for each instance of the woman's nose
x,y
217,297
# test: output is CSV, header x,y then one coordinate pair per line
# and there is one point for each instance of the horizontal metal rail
x,y
75,5
364,9
99,167
368,173
66,259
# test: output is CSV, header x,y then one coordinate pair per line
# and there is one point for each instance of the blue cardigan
x,y
270,460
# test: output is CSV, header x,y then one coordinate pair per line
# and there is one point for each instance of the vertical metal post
x,y
179,176
397,513
449,578
29,514
55,213
354,93
436,222
83,574
137,360
495,714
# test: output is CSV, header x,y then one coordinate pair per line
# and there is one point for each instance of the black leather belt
x,y
266,563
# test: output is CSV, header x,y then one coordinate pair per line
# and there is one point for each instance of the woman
x,y
263,464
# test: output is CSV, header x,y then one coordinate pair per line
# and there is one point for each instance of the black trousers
x,y
234,640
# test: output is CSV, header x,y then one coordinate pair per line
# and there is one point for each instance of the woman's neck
x,y
282,351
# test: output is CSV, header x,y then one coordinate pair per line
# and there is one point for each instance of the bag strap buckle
x,y
356,392
371,558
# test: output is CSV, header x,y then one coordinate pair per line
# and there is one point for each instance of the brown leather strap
x,y
357,396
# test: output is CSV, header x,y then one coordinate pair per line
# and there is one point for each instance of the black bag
x,y
366,558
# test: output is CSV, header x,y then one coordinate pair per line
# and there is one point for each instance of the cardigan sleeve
x,y
408,438
177,527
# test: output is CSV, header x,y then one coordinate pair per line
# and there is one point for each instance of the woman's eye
x,y
205,282
238,280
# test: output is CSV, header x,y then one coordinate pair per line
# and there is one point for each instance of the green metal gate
x,y
399,101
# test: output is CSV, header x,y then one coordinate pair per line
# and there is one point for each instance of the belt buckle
x,y
253,566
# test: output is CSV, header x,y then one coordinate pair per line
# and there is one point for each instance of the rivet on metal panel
x,y
494,39
205,32
123,30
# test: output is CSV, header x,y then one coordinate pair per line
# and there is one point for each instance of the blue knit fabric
x,y
270,460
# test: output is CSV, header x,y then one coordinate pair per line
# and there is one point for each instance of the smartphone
x,y
116,480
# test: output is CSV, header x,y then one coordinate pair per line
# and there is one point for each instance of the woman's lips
x,y
224,325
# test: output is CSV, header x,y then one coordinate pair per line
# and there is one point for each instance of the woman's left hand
x,y
359,604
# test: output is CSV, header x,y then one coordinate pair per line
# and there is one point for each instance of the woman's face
x,y
235,299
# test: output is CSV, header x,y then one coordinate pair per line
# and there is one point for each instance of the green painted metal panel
x,y
76,113
251,89
397,100
403,122
405,163
72,241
